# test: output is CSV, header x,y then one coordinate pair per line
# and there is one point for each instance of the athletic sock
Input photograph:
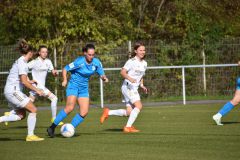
x,y
31,122
118,112
10,118
226,108
61,116
132,117
77,119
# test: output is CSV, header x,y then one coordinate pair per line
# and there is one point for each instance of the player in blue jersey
x,y
77,87
229,105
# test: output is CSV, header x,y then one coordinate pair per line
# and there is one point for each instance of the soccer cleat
x,y
104,115
60,124
50,132
33,138
217,119
6,114
130,130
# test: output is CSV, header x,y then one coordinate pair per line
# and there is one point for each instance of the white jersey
x,y
40,68
13,83
135,69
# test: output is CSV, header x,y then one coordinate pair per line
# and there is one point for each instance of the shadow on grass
x,y
11,139
114,130
230,122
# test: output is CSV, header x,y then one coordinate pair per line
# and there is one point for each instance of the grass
x,y
167,133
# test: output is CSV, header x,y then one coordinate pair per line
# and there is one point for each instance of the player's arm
x,y
143,87
72,66
101,73
64,76
125,75
25,81
51,68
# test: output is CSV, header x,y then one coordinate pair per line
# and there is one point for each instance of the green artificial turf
x,y
167,132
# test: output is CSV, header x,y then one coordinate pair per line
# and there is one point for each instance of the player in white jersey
x,y
18,101
40,67
132,72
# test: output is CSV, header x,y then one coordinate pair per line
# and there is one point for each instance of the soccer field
x,y
167,133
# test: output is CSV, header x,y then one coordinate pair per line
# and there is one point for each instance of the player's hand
x,y
144,89
105,79
64,83
55,73
40,92
239,63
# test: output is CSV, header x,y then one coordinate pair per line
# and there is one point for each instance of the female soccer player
x,y
229,105
77,89
40,67
14,95
132,72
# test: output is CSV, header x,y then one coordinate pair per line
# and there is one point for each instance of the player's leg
x,y
13,115
132,117
53,98
83,102
71,101
228,106
31,122
107,112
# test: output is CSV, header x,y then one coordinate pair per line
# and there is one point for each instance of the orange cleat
x,y
104,115
130,130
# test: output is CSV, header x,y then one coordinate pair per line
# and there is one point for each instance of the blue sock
x,y
77,120
226,108
61,116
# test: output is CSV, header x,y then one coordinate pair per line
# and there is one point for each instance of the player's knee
x,y
53,98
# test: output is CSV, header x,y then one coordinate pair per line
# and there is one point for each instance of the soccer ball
x,y
67,130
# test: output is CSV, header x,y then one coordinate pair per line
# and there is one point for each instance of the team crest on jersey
x,y
93,68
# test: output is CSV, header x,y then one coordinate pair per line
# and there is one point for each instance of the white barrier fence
x,y
172,67
183,76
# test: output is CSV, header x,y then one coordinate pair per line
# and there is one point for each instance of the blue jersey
x,y
81,71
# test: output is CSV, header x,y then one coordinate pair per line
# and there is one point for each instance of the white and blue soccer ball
x,y
67,130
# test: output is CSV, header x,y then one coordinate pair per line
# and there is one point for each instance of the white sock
x,y
54,100
54,109
118,112
10,118
132,117
31,122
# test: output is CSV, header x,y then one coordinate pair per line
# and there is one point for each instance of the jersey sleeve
x,y
31,64
50,68
74,65
128,65
22,68
99,69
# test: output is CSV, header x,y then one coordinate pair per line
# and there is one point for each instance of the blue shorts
x,y
79,91
238,83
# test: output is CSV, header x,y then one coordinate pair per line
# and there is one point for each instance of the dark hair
x,y
89,46
136,46
24,47
41,46
84,49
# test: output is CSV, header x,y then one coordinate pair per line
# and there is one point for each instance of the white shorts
x,y
130,95
41,87
17,99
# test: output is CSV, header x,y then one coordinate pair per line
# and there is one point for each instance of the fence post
x,y
129,49
101,93
204,72
55,66
183,85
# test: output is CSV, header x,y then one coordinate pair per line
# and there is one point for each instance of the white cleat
x,y
217,119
